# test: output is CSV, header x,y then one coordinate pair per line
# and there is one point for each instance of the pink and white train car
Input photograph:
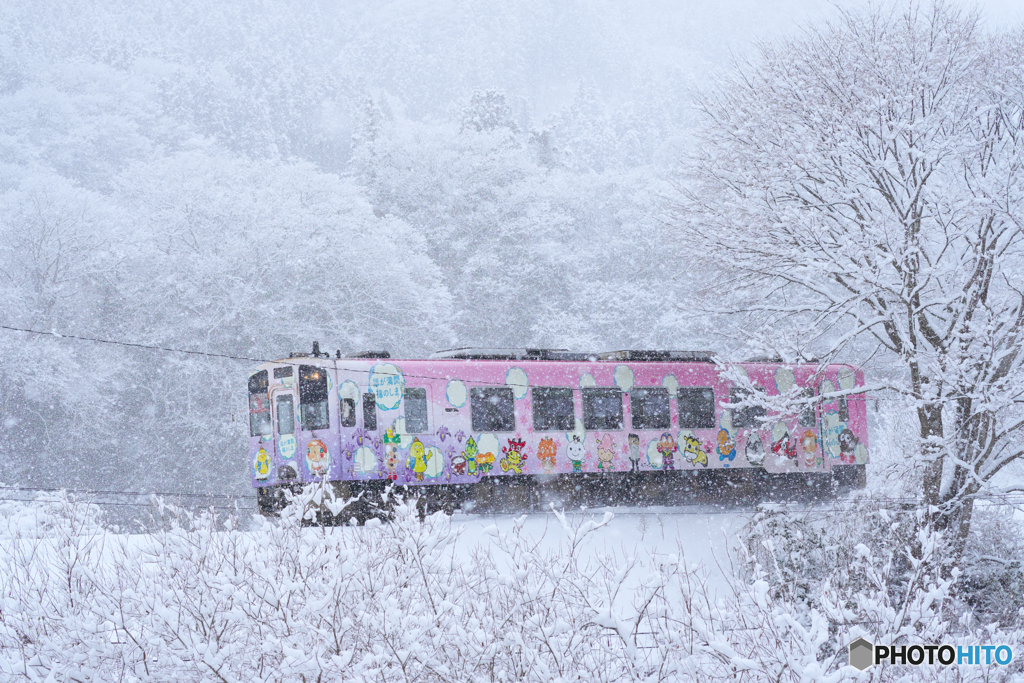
x,y
458,418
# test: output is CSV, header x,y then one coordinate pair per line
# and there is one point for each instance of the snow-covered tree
x,y
865,183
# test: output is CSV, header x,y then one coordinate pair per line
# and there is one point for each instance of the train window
x,y
806,417
369,412
348,412
553,409
696,407
259,405
649,408
493,409
285,414
313,397
745,418
281,373
602,408
416,411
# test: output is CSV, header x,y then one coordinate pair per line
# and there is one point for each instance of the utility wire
x,y
123,493
169,349
131,344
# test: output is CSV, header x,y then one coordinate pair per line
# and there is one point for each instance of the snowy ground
x,y
700,535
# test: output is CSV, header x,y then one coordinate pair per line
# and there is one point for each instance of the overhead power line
x,y
251,359
172,494
115,342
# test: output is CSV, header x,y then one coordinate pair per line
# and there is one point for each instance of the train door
x,y
285,444
313,437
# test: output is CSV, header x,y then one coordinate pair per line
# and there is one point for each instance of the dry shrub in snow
x,y
201,600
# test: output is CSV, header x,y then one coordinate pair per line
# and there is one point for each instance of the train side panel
x,y
423,422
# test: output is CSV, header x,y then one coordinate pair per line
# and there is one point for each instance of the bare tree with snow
x,y
863,184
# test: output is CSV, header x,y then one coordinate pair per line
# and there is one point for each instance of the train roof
x,y
537,354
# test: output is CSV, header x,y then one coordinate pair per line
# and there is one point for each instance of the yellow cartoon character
x,y
693,452
514,456
418,457
261,464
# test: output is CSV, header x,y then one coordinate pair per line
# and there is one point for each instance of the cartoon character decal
x,y
809,445
634,452
261,464
418,458
392,442
667,446
693,450
485,462
514,456
459,464
546,452
606,454
726,446
781,445
576,453
755,449
318,458
470,456
831,428
848,446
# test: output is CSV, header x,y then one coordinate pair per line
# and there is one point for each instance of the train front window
x,y
746,417
602,408
416,410
649,408
369,412
696,407
259,405
553,409
313,397
285,414
493,409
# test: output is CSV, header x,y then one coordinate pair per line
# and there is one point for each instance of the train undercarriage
x,y
526,493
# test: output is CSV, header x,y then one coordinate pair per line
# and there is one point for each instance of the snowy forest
x,y
188,189
244,180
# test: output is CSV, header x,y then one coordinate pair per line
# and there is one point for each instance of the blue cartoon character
x,y
726,446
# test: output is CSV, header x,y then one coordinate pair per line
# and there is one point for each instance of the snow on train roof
x,y
536,354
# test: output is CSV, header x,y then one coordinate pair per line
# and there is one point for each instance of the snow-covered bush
x,y
992,583
200,599
797,549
